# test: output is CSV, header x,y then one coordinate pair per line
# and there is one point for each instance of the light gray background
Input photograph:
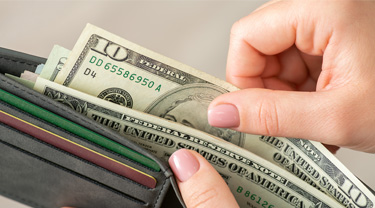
x,y
193,32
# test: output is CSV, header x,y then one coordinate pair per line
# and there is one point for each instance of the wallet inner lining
x,y
73,172
47,152
70,161
78,150
76,129
37,160
72,137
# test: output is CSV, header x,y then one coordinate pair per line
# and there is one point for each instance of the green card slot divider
x,y
77,129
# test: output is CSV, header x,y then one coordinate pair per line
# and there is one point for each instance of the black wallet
x,y
39,174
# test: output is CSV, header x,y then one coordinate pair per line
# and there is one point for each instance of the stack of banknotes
x,y
161,105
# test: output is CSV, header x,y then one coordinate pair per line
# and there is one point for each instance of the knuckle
x,y
236,29
203,198
268,117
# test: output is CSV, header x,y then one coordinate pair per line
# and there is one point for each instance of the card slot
x,y
74,138
59,109
41,193
78,150
76,129
165,178
15,63
71,162
42,174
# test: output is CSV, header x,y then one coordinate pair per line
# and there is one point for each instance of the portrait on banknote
x,y
176,105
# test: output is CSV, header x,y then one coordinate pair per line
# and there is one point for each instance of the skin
x,y
309,74
205,188
197,122
306,70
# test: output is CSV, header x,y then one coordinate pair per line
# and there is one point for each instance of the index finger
x,y
267,31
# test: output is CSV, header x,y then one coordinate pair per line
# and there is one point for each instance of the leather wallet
x,y
41,174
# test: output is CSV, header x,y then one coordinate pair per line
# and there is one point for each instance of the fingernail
x,y
183,164
224,116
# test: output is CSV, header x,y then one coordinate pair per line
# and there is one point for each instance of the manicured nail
x,y
224,116
183,164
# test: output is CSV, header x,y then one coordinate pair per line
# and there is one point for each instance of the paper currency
x,y
254,181
39,69
139,79
114,69
55,62
28,75
27,83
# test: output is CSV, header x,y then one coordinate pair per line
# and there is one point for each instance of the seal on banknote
x,y
188,105
118,96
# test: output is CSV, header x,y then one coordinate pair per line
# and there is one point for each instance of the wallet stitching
x,y
161,190
76,157
70,133
102,185
18,61
48,101
21,199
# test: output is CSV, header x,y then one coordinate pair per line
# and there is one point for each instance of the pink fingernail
x,y
183,164
224,116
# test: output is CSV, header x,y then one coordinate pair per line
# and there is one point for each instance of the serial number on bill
x,y
126,74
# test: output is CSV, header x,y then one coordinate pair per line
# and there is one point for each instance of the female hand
x,y
306,70
200,184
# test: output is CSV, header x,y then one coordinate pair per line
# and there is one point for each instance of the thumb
x,y
200,184
276,113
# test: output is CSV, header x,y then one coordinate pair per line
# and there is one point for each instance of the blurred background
x,y
195,33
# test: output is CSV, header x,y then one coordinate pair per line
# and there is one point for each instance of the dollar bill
x,y
55,62
27,83
28,75
111,68
39,69
254,181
